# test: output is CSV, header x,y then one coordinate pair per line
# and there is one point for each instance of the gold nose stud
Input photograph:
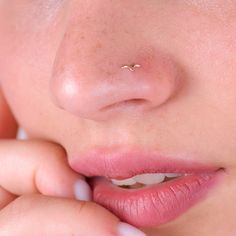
x,y
131,67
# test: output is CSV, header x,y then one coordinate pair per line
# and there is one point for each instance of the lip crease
x,y
152,205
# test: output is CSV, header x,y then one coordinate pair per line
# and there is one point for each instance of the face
x,y
68,74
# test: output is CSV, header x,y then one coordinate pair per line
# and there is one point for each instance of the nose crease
x,y
126,103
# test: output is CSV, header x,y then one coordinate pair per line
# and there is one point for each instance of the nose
x,y
99,86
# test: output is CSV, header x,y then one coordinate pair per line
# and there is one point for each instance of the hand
x,y
37,191
32,166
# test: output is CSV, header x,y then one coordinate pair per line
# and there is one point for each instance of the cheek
x,y
30,36
28,44
24,75
32,106
23,99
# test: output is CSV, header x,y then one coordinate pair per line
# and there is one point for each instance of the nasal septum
x,y
118,87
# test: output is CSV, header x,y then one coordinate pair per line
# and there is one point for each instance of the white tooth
x,y
152,178
172,175
129,181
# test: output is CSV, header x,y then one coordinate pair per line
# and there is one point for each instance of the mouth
x,y
146,189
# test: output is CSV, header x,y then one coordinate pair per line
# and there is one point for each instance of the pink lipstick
x,y
152,204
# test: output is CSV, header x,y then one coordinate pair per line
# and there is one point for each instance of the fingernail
x,y
125,229
82,190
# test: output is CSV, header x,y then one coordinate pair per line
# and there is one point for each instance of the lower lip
x,y
154,205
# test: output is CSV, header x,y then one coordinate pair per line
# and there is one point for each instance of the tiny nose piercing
x,y
131,67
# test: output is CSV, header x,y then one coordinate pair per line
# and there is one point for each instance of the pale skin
x,y
58,61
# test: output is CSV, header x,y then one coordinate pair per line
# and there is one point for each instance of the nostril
x,y
131,103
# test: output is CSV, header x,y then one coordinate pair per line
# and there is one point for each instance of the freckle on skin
x,y
97,47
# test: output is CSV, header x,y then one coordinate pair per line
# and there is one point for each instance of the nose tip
x,y
139,86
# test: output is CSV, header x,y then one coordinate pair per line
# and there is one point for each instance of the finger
x,y
56,216
5,197
8,124
32,166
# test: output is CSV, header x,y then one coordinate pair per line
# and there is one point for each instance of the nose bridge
x,y
96,77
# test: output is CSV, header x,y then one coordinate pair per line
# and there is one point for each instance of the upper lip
x,y
117,163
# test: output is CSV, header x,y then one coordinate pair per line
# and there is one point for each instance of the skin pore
x,y
60,73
